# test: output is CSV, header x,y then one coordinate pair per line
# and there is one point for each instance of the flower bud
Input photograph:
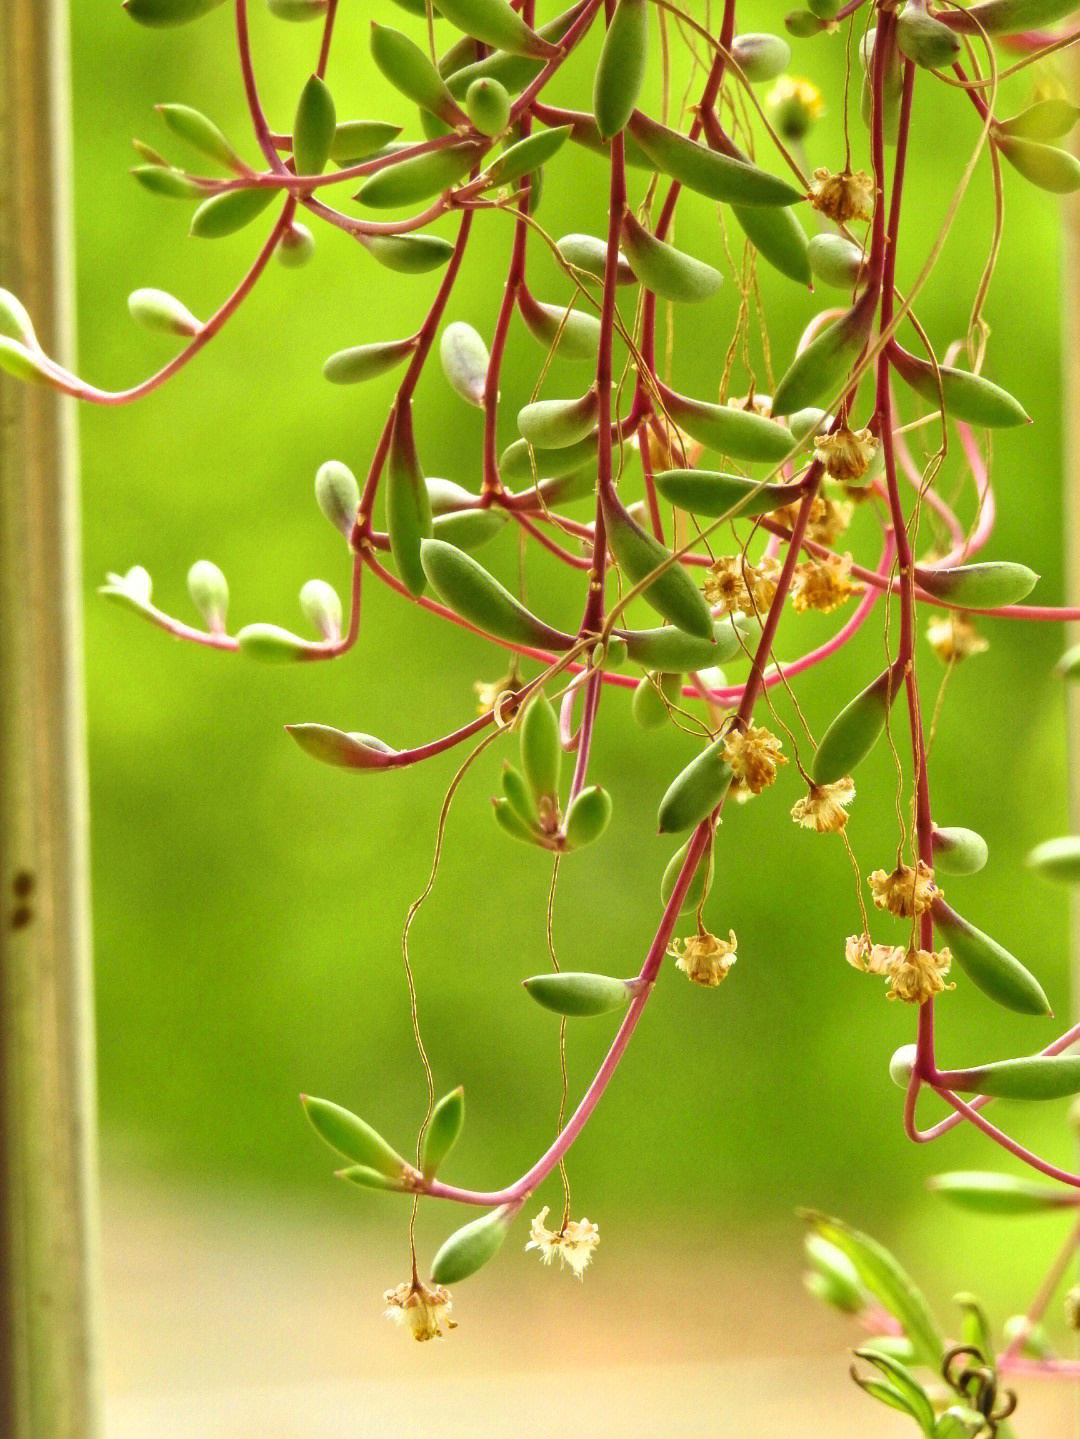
x,y
228,212
209,591
338,494
442,1131
541,749
958,851
742,434
794,103
695,791
465,361
576,333
707,171
478,597
321,608
990,968
409,70
902,1065
418,178
673,593
665,271
158,310
272,645
200,133
344,751
556,424
159,13
487,104
1058,859
760,57
620,71
580,995
469,1248
297,246
588,817
707,492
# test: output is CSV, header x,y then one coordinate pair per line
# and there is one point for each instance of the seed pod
x,y
365,362
297,10
620,71
1058,859
1045,120
321,607
164,180
673,593
760,57
1048,168
1036,1076
665,271
15,323
839,1284
699,885
159,13
654,693
228,212
588,253
967,397
1009,17
580,995
959,851
357,140
408,254
465,361
706,492
695,791
297,246
470,1247
272,645
443,1129
836,261
556,424
706,171
199,132
925,40
408,510
541,749
519,794
778,238
803,24
365,1178
577,333
337,494
902,1065
855,730
158,310
350,1136
209,591
418,178
980,586
496,23
345,751
990,968
478,597
525,156
487,104
588,816
739,433
822,367
674,651
508,819
409,70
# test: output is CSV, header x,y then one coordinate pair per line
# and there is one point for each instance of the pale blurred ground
x,y
228,1319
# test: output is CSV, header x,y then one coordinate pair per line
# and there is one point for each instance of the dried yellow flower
x,y
846,454
704,958
824,584
954,637
573,1243
846,195
727,584
488,694
905,892
918,975
870,958
425,1312
825,807
754,756
754,404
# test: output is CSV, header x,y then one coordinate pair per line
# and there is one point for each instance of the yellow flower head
x,y
704,958
728,584
843,196
905,892
574,1243
824,584
846,454
795,103
489,694
425,1312
825,807
954,637
917,975
754,756
870,958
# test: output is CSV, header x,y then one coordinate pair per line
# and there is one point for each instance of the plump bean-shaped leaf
x,y
408,509
673,651
588,816
418,178
409,70
352,1137
819,371
345,751
271,644
297,11
654,693
699,885
365,1178
887,1282
478,597
778,238
577,333
525,156
519,794
512,71
164,180
855,731
496,23
760,57
985,585
736,432
160,13
1045,120
989,966
562,467
695,791
557,424
356,140
579,995
465,359
158,310
508,819
836,261
541,749
1035,1076
968,397
804,23
228,212
366,362
337,494
314,127
667,272
1058,859
469,529
589,253
959,851
443,1129
707,171
1068,666
707,492
487,104
673,593
209,591
409,254
925,40
987,1193
15,323
620,70
1044,165
1008,17
470,1247
320,605
199,132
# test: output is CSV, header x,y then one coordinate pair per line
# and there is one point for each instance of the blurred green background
x,y
249,902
